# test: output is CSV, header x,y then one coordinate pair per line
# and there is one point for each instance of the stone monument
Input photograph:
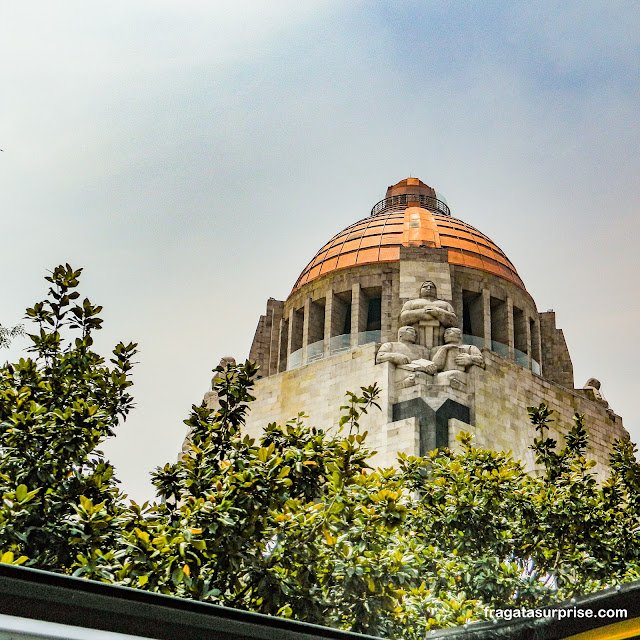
x,y
409,263
428,315
431,354
408,357
406,352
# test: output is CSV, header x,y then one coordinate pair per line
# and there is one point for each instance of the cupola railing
x,y
400,202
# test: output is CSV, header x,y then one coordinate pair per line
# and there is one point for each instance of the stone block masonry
x,y
364,283
503,391
497,399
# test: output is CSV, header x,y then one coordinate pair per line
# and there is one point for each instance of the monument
x,y
431,310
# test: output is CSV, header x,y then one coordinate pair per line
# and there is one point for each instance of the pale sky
x,y
192,157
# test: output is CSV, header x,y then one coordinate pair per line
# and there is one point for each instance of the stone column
x,y
305,329
486,311
457,303
538,343
274,338
358,313
363,311
388,320
510,331
283,345
328,321
292,316
527,328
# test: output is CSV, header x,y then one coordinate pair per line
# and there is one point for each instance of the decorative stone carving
x,y
453,359
211,396
431,351
428,315
405,353
211,402
453,355
593,391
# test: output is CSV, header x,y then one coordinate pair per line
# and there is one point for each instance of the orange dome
x,y
379,237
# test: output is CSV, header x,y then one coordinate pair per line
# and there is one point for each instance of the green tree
x,y
298,524
7,334
60,497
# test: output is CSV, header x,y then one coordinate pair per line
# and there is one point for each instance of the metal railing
x,y
400,202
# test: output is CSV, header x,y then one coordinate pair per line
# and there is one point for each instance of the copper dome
x,y
401,219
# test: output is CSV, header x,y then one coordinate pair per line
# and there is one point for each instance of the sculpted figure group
x,y
428,342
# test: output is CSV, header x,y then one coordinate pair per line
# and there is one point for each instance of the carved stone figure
x,y
453,359
406,353
428,315
593,387
211,396
455,356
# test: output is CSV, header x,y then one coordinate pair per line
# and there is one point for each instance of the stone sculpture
x,y
211,396
429,349
453,359
593,389
210,401
406,353
455,356
428,315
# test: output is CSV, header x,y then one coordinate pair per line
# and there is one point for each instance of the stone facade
x,y
495,312
497,315
318,389
504,391
501,355
496,397
555,357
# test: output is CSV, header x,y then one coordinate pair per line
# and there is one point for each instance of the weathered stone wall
x,y
264,348
261,345
498,397
556,361
418,264
319,389
503,391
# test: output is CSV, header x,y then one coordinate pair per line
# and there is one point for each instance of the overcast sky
x,y
192,157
